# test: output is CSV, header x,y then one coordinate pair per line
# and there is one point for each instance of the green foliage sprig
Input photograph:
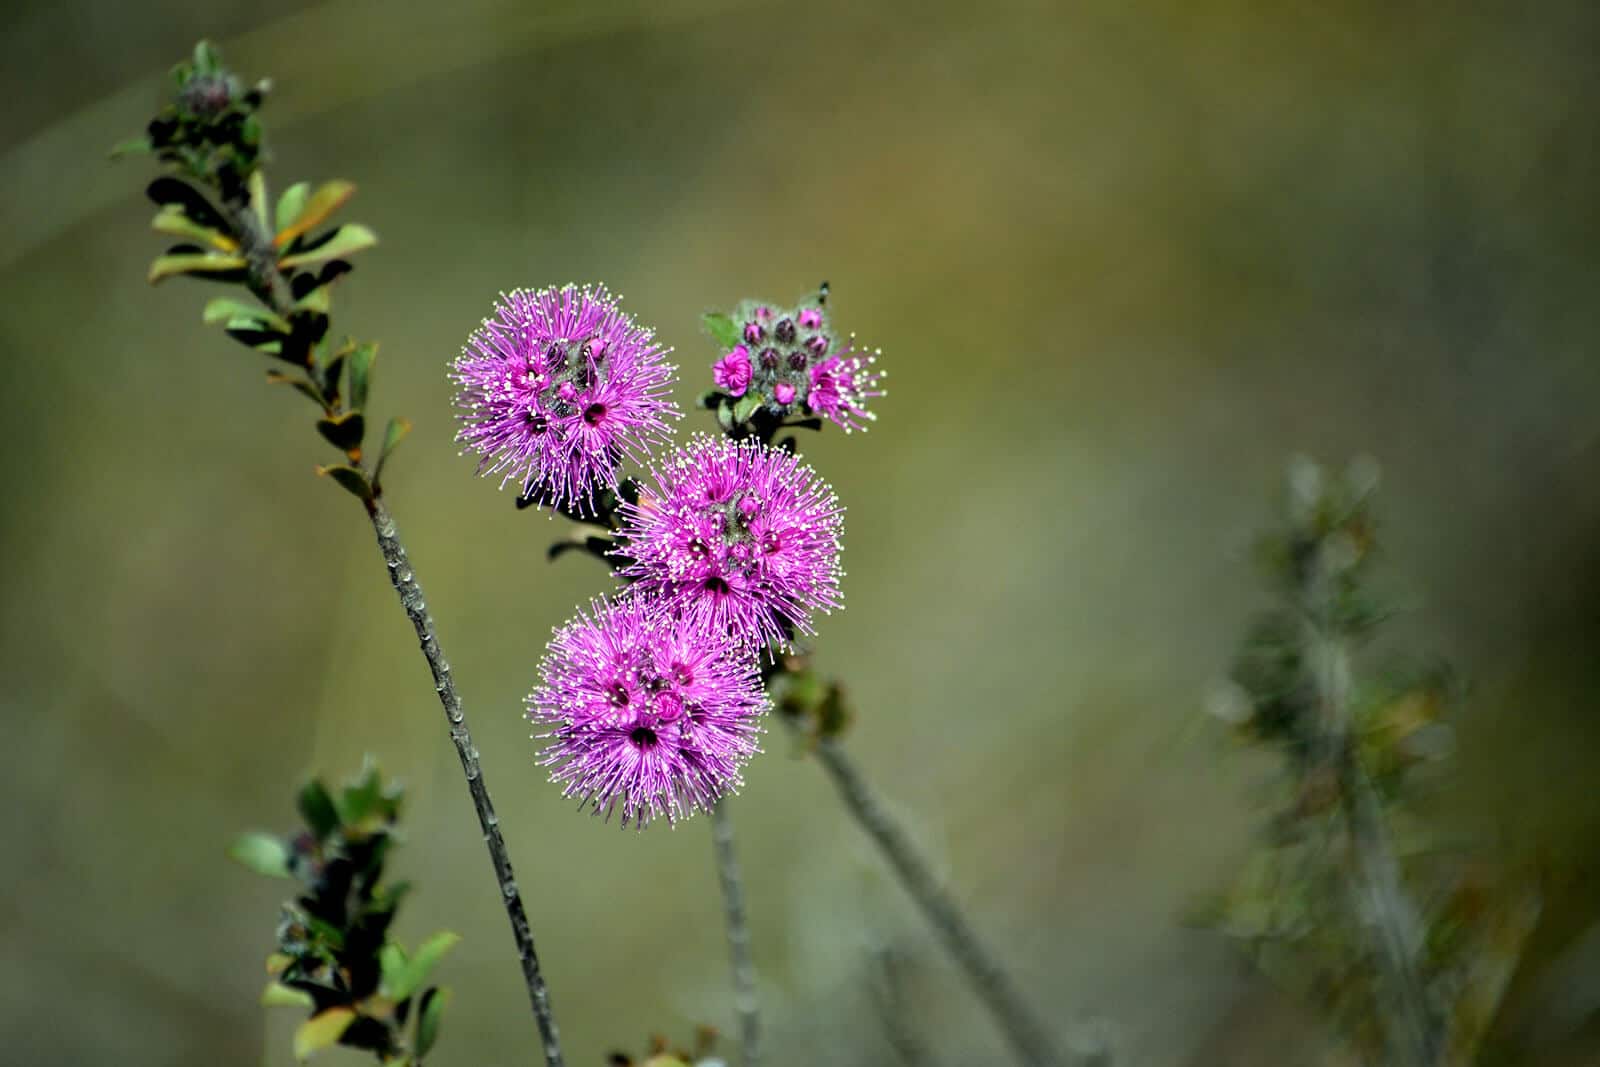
x,y
1408,944
215,199
334,954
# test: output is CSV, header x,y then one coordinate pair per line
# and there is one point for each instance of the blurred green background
x,y
1122,259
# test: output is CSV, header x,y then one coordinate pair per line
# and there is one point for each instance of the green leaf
x,y
302,384
316,808
227,312
350,478
206,60
393,434
361,373
171,219
262,853
257,184
166,267
746,406
429,1014
593,544
322,1031
329,934
345,431
414,974
361,797
392,961
281,996
725,414
132,146
722,329
312,211
169,190
290,205
347,240
319,300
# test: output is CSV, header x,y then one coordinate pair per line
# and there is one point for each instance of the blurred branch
x,y
746,1000
894,1010
1025,1033
1382,901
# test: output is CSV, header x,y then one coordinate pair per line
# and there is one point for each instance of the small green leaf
x,y
722,329
429,1014
290,205
319,300
227,311
169,190
316,808
262,853
261,340
312,210
392,962
414,974
281,996
345,431
250,134
165,267
361,373
322,1031
725,414
746,406
132,146
257,184
206,60
330,935
347,240
350,478
360,797
301,384
171,219
393,434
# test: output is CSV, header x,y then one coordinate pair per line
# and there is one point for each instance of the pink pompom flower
x,y
736,537
556,388
645,715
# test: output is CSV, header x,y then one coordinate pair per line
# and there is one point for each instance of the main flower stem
x,y
746,1001
1022,1029
269,284
416,609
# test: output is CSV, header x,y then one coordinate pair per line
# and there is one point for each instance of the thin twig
x,y
894,1010
745,998
1388,911
405,583
269,284
1026,1034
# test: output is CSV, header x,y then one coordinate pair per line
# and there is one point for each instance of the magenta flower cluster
x,y
650,701
794,362
646,716
737,538
557,388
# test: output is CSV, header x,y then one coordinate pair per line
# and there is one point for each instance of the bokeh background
x,y
1123,259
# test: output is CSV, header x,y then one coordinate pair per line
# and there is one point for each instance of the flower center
x,y
643,737
594,413
717,586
